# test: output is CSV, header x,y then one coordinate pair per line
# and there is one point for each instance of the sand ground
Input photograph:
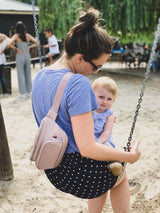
x,y
30,191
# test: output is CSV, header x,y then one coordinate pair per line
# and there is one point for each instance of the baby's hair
x,y
106,83
87,37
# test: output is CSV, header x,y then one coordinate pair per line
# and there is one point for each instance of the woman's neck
x,y
64,63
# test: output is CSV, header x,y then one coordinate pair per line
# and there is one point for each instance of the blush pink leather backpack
x,y
51,141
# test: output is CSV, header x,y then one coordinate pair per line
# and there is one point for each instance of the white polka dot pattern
x,y
83,177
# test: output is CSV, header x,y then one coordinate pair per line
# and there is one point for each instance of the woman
x,y
3,44
22,39
83,171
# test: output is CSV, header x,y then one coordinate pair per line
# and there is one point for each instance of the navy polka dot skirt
x,y
83,177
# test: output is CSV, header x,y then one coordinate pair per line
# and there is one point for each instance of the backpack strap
x,y
59,94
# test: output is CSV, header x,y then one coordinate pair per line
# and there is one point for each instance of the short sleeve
x,y
109,112
4,44
53,40
80,96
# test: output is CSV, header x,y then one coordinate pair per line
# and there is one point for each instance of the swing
x,y
83,189
116,167
36,32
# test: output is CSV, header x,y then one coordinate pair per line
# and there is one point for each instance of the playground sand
x,y
30,191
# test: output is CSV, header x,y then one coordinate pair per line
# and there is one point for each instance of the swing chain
x,y
36,32
155,42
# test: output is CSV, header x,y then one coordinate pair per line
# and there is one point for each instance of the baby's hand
x,y
115,117
46,46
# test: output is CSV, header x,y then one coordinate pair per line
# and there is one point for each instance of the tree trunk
x,y
6,171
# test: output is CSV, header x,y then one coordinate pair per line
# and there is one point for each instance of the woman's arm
x,y
12,40
33,40
107,129
10,44
83,130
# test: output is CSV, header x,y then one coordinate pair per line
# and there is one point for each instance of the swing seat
x,y
116,168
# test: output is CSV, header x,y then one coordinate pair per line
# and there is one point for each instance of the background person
x,y
52,45
83,171
155,60
4,41
23,64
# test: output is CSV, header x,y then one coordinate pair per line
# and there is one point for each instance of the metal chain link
x,y
36,32
155,42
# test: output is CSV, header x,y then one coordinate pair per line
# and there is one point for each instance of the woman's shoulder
x,y
81,79
16,37
76,82
28,37
79,82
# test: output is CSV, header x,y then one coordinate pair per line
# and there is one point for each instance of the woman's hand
x,y
28,50
19,51
134,153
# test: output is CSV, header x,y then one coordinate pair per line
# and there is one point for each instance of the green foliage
x,y
132,19
128,19
59,15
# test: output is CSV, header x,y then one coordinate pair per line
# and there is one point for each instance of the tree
x,y
132,19
6,171
59,15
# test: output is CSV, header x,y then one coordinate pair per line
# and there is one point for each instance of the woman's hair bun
x,y
89,18
87,37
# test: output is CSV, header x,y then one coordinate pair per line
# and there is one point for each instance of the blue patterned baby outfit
x,y
99,123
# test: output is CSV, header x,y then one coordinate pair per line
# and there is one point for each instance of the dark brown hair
x,y
87,37
48,30
21,30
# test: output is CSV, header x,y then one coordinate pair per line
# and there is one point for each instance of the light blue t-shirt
x,y
99,123
78,98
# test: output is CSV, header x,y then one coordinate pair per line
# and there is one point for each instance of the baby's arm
x,y
107,129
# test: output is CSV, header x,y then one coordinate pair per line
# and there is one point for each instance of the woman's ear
x,y
79,58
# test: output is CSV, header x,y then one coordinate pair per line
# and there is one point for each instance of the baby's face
x,y
104,98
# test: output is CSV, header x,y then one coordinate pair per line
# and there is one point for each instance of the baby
x,y
105,90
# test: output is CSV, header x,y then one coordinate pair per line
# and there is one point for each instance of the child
x,y
105,90
155,60
3,43
52,44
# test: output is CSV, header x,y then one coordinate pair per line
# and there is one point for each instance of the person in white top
x,y
4,43
52,44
